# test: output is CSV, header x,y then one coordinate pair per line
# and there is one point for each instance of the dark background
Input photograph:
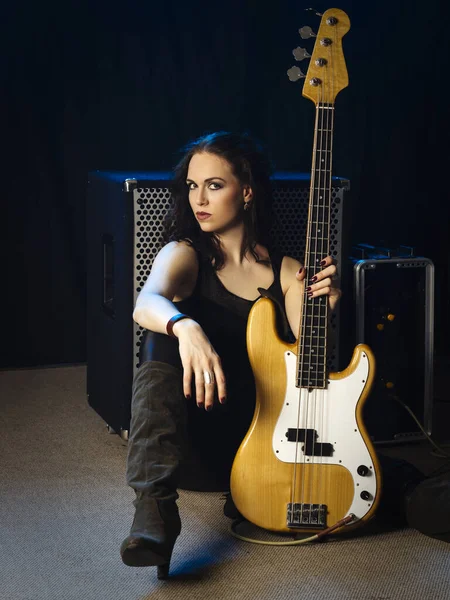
x,y
108,85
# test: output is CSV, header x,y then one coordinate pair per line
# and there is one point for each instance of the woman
x,y
196,302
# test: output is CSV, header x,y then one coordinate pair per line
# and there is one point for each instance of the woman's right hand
x,y
173,278
201,364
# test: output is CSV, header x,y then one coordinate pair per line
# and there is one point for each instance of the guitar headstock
x,y
327,71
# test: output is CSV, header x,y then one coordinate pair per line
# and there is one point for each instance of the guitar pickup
x,y
309,437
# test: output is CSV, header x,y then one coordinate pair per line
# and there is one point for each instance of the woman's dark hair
x,y
251,166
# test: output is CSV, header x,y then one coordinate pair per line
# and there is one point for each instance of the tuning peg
x,y
314,11
294,74
306,32
300,53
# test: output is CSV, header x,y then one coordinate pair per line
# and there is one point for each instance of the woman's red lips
x,y
202,215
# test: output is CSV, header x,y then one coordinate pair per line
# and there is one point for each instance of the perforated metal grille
x,y
291,214
150,207
288,231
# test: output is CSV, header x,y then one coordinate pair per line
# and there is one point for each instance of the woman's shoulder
x,y
178,249
290,264
289,269
174,270
177,256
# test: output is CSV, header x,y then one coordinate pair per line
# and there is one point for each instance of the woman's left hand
x,y
324,282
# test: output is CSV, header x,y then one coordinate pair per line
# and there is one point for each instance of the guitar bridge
x,y
307,515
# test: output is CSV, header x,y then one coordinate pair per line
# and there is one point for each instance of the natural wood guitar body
x,y
261,483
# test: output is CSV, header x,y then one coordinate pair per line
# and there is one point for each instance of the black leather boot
x,y
155,450
155,529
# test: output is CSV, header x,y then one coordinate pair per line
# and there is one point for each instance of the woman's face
x,y
216,195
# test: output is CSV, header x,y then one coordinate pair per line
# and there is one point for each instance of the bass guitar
x,y
307,463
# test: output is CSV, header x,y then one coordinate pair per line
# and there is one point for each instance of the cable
x,y
440,449
233,531
316,537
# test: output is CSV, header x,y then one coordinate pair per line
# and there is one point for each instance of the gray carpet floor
x,y
65,509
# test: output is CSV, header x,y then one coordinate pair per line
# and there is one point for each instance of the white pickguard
x,y
332,413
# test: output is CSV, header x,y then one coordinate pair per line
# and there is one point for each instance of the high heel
x,y
163,571
155,529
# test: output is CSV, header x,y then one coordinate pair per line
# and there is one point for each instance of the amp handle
x,y
108,283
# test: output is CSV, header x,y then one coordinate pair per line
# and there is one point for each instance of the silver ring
x,y
209,377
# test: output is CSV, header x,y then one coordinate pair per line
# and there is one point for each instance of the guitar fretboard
x,y
312,340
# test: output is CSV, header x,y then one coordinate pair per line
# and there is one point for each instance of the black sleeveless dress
x,y
216,435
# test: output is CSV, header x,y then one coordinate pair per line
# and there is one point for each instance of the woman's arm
x,y
293,281
172,278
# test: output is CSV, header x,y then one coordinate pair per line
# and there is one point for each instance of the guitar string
x,y
330,154
326,182
317,302
301,353
306,374
307,392
326,247
315,473
311,372
322,217
322,189
300,372
324,154
313,303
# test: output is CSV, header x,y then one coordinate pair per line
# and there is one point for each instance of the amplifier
x,y
125,213
394,308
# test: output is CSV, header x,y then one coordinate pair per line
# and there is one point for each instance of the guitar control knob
x,y
365,495
362,470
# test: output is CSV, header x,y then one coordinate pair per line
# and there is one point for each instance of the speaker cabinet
x,y
394,300
125,213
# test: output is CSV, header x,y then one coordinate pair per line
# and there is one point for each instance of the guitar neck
x,y
312,340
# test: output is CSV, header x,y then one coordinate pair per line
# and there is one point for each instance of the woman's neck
x,y
232,242
234,257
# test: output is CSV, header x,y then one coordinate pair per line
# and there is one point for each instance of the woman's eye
x,y
215,186
191,186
